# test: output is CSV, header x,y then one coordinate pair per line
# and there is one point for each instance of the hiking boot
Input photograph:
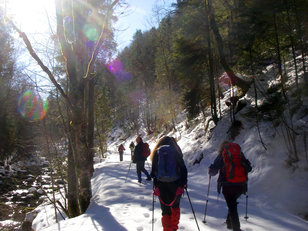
x,y
149,179
228,222
139,181
229,225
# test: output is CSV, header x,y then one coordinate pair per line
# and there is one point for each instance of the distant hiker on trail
x,y
170,179
132,147
121,151
233,169
139,158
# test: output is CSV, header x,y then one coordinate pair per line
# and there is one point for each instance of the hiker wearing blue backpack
x,y
233,168
170,179
139,158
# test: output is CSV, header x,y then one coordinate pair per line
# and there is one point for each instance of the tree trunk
x,y
282,81
72,195
91,119
211,69
292,46
234,79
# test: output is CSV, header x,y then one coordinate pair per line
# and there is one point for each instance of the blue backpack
x,y
167,164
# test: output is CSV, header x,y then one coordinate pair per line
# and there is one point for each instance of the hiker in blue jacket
x,y
231,190
139,159
170,190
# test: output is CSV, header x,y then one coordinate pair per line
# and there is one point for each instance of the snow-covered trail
x,y
119,205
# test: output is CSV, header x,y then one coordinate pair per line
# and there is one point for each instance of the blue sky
x,y
138,14
30,16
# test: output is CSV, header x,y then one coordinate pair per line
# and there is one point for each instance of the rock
x,y
30,195
32,190
40,191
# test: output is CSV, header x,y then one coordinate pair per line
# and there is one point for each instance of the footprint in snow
x,y
143,205
139,228
146,215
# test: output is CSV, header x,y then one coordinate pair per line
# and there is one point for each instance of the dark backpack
x,y
235,164
167,170
146,151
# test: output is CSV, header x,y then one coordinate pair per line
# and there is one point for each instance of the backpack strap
x,y
179,191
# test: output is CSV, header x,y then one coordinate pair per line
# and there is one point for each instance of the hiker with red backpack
x,y
141,152
121,150
170,179
233,168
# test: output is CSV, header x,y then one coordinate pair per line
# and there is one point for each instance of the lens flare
x,y
31,106
91,32
116,68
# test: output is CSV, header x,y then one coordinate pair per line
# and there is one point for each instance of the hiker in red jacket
x,y
121,151
170,184
233,169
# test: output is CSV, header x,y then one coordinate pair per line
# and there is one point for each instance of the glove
x,y
212,172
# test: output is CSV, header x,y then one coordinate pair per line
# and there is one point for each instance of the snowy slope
x,y
118,205
277,194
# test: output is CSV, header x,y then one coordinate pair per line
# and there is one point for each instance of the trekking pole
x,y
128,171
192,209
153,208
246,216
207,200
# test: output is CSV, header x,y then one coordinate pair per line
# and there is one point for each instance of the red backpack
x,y
146,151
235,163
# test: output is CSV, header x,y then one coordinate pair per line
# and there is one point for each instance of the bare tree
x,y
72,18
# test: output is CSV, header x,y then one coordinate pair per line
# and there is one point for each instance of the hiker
x,y
233,181
139,159
121,150
132,147
169,186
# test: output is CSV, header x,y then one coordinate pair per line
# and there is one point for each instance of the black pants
x,y
140,168
167,194
231,194
121,155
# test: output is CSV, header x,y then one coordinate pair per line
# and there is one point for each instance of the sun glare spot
x,y
116,68
31,106
91,32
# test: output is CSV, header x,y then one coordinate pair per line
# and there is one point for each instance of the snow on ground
x,y
121,203
277,194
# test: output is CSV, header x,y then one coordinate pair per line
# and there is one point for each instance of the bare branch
x,y
40,63
100,41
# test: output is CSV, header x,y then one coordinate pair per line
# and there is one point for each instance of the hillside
x,y
277,187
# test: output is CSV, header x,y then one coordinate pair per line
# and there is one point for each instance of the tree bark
x,y
211,69
72,190
233,78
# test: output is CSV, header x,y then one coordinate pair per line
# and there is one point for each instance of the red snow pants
x,y
170,222
169,196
